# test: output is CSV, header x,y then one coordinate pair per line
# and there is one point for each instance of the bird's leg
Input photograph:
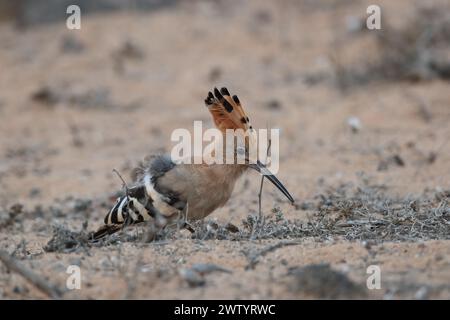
x,y
187,225
179,220
183,219
155,226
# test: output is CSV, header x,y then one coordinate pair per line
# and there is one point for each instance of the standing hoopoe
x,y
166,191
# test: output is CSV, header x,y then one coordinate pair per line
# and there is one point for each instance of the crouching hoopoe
x,y
168,191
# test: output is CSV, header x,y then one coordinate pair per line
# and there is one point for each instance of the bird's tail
x,y
129,209
104,231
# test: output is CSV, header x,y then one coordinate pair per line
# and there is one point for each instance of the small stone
x,y
205,268
194,279
421,294
274,104
354,123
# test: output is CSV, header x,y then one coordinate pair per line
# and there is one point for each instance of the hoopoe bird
x,y
168,191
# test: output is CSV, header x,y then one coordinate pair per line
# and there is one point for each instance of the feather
x,y
227,111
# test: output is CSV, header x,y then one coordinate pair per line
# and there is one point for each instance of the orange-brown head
x,y
228,114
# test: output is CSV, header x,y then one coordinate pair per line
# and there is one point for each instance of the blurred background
x,y
364,118
74,104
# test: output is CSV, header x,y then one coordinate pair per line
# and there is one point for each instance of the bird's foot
x,y
187,225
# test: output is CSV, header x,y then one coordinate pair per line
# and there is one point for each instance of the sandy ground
x,y
76,104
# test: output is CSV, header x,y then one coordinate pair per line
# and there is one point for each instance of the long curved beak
x,y
261,168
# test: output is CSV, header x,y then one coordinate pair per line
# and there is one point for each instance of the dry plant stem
x,y
124,184
127,192
16,266
260,198
262,182
260,222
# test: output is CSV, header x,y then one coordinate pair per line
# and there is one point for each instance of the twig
x,y
254,258
260,223
124,184
127,193
262,181
50,290
260,198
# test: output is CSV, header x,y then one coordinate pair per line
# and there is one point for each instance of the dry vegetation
x,y
365,213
